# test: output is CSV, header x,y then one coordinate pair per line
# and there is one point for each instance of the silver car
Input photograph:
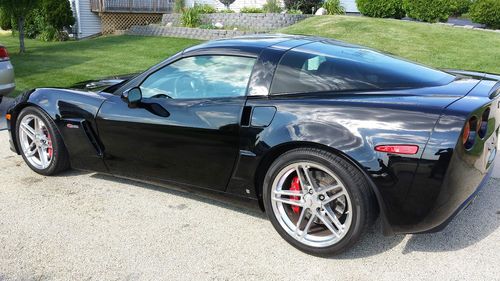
x,y
7,84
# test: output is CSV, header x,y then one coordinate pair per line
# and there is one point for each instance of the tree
x,y
19,10
58,13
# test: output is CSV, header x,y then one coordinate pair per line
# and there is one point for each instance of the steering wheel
x,y
190,85
161,96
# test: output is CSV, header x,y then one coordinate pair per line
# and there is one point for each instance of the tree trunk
x,y
20,26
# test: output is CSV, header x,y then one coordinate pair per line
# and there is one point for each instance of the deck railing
x,y
132,6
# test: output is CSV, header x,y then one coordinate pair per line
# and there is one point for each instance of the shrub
x,y
251,10
227,3
460,7
58,14
205,8
486,12
226,11
428,10
333,7
294,12
272,6
306,6
5,20
381,8
178,6
190,17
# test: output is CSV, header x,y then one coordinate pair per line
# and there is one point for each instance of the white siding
x,y
350,6
87,22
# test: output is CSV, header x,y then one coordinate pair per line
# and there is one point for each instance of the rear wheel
x,y
40,143
317,201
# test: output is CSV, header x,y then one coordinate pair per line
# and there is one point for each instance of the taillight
x,y
398,148
482,128
469,133
4,55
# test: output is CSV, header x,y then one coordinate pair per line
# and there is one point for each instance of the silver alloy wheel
x,y
317,215
36,143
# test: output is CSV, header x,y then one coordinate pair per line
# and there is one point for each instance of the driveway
x,y
87,226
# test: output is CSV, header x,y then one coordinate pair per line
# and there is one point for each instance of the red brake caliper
x,y
295,186
49,150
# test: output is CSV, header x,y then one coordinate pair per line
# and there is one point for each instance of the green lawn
x,y
62,64
432,44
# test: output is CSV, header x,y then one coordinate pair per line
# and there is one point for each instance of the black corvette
x,y
324,135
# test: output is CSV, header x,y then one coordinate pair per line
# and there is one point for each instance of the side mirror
x,y
132,96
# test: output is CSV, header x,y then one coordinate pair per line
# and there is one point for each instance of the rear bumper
x,y
7,84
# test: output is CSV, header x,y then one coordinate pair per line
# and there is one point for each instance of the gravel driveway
x,y
86,226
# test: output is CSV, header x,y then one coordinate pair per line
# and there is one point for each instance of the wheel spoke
x,y
42,156
335,220
328,224
308,225
289,201
299,221
330,188
309,178
28,130
31,150
333,197
303,183
289,192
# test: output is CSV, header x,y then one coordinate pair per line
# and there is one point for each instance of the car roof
x,y
254,44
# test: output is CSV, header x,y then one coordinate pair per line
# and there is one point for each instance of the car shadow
x,y
218,199
472,225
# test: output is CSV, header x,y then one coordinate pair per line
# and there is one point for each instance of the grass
x,y
62,64
432,44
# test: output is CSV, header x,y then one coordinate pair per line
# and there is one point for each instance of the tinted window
x,y
200,77
321,66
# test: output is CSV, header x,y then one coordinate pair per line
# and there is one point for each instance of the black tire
x,y
60,158
364,208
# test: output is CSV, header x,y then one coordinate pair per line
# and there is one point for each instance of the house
x,y
87,23
107,16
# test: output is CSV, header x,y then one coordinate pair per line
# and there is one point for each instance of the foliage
x,y
205,8
227,3
333,7
226,11
5,19
428,10
207,26
381,8
294,12
190,17
178,6
306,6
58,14
460,7
486,12
272,6
251,10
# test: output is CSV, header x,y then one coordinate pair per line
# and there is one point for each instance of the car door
x,y
185,129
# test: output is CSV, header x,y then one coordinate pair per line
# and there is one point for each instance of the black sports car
x,y
324,135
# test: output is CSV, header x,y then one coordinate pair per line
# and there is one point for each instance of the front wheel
x,y
40,143
317,201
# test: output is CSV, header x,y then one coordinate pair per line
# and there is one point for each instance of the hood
x,y
101,84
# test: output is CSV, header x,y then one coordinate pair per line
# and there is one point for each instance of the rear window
x,y
319,67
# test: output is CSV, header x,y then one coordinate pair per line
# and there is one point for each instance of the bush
x,y
251,10
381,8
205,8
294,12
226,11
306,6
178,6
58,14
272,6
460,7
333,7
5,20
428,10
190,17
486,12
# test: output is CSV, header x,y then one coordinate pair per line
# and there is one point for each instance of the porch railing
x,y
132,6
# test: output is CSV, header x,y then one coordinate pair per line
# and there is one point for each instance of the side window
x,y
324,67
200,77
